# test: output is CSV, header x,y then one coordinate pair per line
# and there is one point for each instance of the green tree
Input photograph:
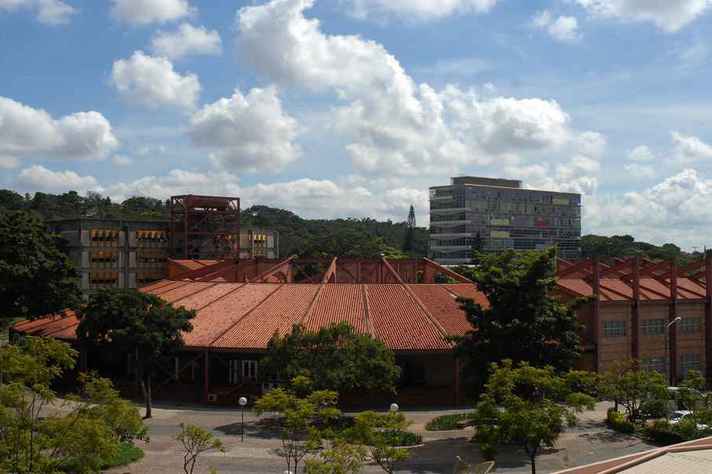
x,y
522,307
81,436
334,358
135,323
36,278
340,458
375,432
627,385
196,441
304,420
526,406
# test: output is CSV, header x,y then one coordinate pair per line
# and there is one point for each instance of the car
x,y
678,415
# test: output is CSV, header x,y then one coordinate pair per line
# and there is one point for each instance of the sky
x,y
353,108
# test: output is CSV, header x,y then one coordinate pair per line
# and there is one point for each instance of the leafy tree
x,y
304,420
525,406
519,287
375,431
136,323
196,441
630,387
341,458
36,278
11,201
334,358
35,441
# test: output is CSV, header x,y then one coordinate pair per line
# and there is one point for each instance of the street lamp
x,y
394,408
668,372
242,401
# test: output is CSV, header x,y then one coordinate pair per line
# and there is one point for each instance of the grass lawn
x,y
128,453
448,422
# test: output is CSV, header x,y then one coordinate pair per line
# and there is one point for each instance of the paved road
x,y
588,442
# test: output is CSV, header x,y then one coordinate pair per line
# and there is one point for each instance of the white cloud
x,y
25,131
177,181
186,40
121,160
641,153
418,9
689,148
640,171
668,15
39,178
153,82
247,133
144,12
49,12
563,28
390,123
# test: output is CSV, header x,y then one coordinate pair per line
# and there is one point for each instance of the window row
x,y
652,327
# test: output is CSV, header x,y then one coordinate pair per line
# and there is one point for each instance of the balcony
x,y
441,236
449,223
447,210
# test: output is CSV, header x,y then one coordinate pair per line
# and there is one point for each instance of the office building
x,y
492,215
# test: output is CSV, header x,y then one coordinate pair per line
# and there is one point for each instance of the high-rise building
x,y
490,215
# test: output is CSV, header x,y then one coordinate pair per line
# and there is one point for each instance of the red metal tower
x,y
205,227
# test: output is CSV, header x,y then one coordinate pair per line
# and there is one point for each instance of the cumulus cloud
x,y
121,160
39,178
563,28
639,171
247,133
668,15
392,124
186,40
418,9
25,131
152,81
177,181
641,153
144,12
689,148
49,12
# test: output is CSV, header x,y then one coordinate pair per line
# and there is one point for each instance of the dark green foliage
x,y
36,277
524,322
449,422
618,422
663,433
401,438
137,323
333,358
127,454
626,246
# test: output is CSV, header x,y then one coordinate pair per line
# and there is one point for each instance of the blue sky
x,y
354,107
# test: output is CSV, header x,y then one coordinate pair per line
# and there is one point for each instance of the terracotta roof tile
x,y
399,322
208,296
339,302
278,313
470,291
443,306
181,292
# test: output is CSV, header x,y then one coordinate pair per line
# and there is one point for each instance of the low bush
x,y
662,432
617,422
448,422
402,438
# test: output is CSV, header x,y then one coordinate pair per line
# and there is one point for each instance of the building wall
x,y
258,243
496,215
612,349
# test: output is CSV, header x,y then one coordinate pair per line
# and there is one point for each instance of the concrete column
x,y
673,328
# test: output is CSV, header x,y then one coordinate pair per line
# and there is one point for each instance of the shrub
x,y
448,422
617,422
653,409
662,432
402,438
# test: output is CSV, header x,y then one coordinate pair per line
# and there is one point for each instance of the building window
x,y
653,363
249,369
613,328
652,327
233,372
690,325
690,361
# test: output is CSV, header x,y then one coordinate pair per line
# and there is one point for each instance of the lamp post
x,y
242,401
668,373
394,408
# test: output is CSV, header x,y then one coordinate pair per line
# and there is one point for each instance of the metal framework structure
x,y
205,227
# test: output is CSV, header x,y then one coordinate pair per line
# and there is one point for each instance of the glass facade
x,y
494,215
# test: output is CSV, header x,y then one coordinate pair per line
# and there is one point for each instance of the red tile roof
x,y
244,316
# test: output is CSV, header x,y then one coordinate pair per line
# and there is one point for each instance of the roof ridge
x,y
247,313
367,311
307,314
418,301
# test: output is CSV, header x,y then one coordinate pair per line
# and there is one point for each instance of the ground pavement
x,y
590,441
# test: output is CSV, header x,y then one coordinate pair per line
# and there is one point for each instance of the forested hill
x,y
627,246
309,237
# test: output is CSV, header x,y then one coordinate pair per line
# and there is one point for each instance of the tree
x,y
36,278
33,440
135,323
526,406
303,420
629,386
519,287
196,441
334,358
375,432
341,458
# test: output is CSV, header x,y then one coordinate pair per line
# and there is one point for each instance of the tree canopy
x,y
135,323
524,321
36,277
334,358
